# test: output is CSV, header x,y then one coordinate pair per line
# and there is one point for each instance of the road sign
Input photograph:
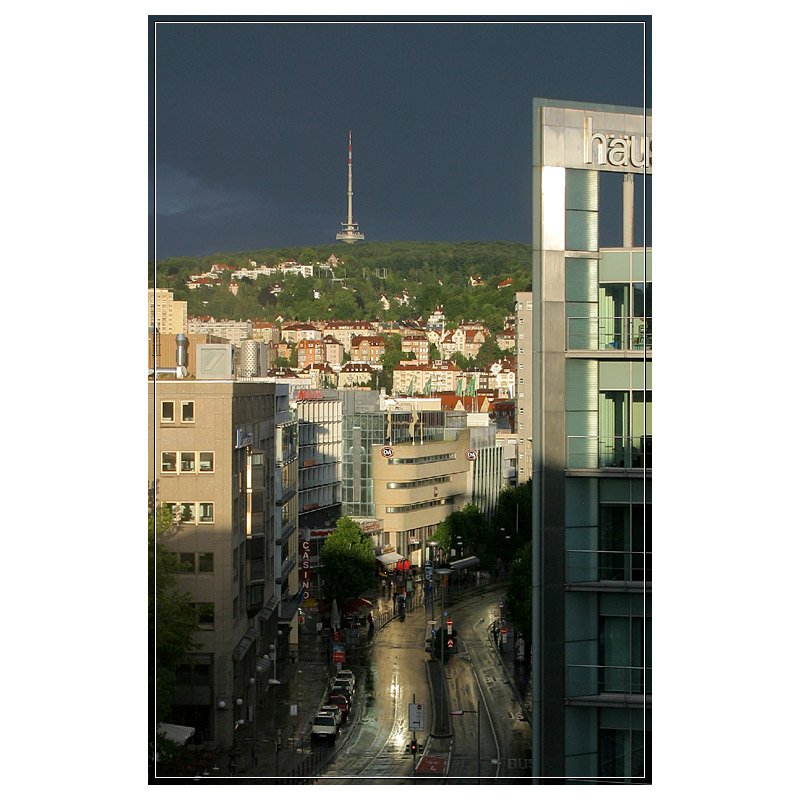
x,y
416,717
387,452
449,626
472,455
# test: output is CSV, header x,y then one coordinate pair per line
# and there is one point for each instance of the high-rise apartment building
x,y
165,314
591,436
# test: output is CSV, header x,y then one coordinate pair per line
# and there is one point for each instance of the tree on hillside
x,y
488,354
392,357
348,562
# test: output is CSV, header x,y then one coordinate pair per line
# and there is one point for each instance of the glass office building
x,y
592,442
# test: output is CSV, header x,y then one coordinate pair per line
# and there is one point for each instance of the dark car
x,y
340,701
344,686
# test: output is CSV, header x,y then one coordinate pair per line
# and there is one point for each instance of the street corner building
x,y
592,444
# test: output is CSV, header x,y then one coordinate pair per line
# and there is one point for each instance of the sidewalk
x,y
283,746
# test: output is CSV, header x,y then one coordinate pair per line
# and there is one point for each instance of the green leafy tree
x,y
308,256
512,520
348,562
489,353
464,531
171,615
392,357
519,593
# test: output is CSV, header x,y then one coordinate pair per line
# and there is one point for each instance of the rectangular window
x,y
206,462
167,411
187,462
206,512
169,462
205,562
205,615
187,411
187,512
186,562
624,753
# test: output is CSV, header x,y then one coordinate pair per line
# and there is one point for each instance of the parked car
x,y
344,683
347,674
324,726
336,711
342,687
342,702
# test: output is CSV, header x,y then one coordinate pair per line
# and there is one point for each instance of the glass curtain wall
x,y
625,551
624,425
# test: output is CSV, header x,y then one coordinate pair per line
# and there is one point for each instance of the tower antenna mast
x,y
350,232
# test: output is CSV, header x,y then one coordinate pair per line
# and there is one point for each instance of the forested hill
x,y
430,274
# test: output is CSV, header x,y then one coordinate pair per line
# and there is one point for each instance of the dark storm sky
x,y
251,122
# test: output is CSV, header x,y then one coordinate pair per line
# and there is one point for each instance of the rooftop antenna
x,y
350,232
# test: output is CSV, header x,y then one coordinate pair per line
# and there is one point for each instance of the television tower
x,y
350,232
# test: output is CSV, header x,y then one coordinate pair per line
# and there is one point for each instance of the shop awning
x,y
465,563
390,558
179,734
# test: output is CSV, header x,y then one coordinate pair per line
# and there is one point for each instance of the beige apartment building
x,y
417,485
167,315
215,449
435,376
523,306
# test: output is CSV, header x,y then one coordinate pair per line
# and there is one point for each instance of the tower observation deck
x,y
350,232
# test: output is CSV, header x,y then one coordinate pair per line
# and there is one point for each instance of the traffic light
x,y
414,746
451,643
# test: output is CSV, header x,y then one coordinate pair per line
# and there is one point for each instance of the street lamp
x,y
460,712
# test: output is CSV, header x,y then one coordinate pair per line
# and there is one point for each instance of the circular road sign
x,y
472,455
387,452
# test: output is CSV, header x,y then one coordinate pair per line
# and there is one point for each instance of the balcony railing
x,y
609,333
588,680
594,566
609,452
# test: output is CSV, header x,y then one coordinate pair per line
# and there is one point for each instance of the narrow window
x,y
206,462
206,512
167,411
186,562
169,462
187,411
187,462
205,562
205,615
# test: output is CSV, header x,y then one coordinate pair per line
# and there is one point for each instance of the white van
x,y
324,725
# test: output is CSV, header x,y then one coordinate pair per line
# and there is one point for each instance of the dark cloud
x,y
251,125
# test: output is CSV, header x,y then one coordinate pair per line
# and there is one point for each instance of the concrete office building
x,y
221,455
418,483
413,489
591,445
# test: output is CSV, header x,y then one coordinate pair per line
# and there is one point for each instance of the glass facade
x,y
592,441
